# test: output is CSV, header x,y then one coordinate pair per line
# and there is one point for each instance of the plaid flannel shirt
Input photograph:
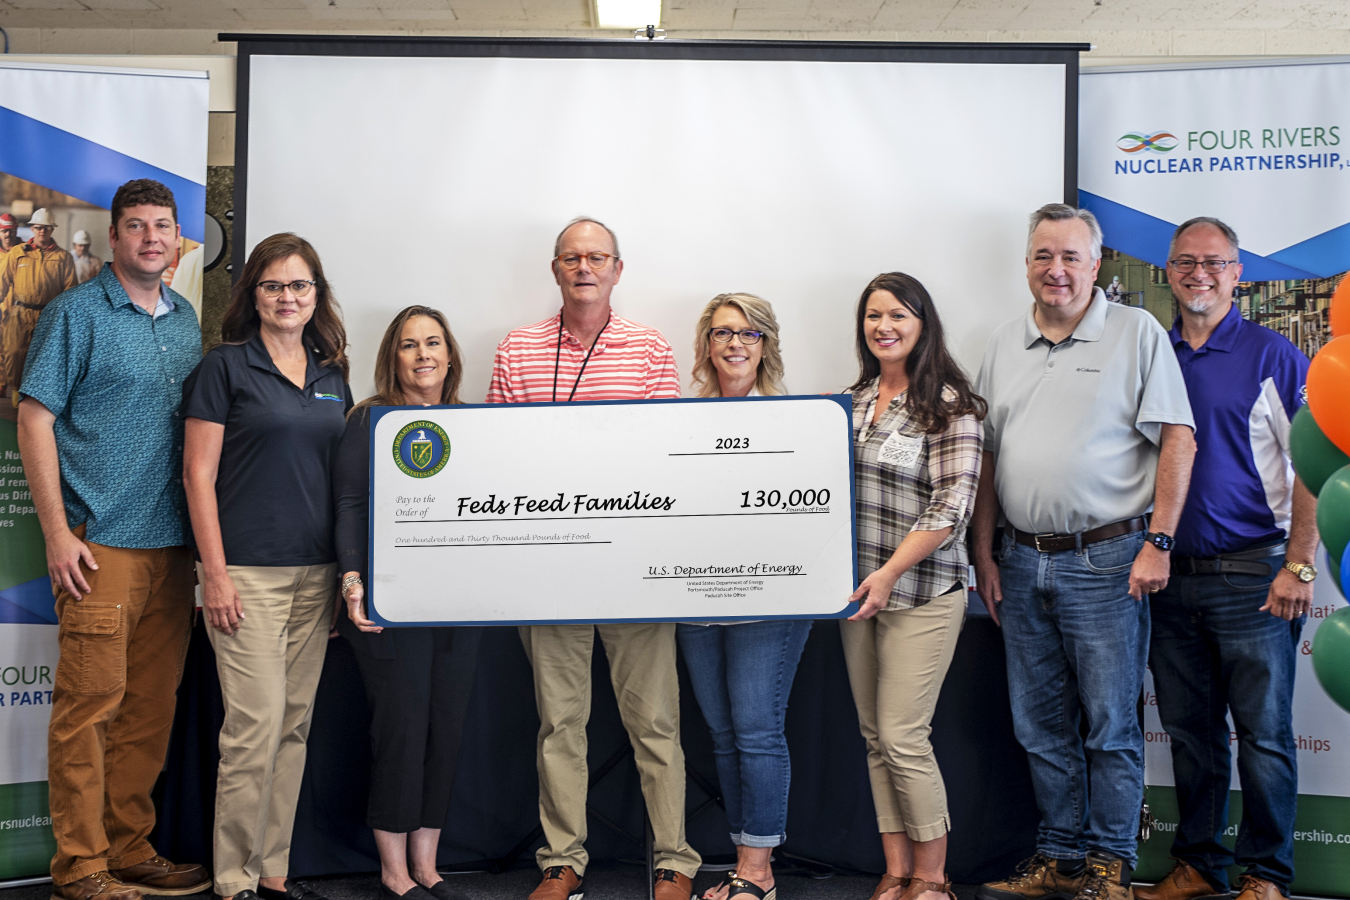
x,y
930,487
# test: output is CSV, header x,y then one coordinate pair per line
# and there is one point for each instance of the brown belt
x,y
36,306
1056,543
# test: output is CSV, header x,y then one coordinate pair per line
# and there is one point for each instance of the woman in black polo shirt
x,y
264,413
417,679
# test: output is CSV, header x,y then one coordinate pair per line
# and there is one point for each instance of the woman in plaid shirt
x,y
916,428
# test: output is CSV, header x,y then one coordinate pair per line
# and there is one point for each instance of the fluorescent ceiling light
x,y
627,13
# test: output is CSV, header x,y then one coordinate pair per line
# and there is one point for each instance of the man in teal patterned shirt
x,y
102,445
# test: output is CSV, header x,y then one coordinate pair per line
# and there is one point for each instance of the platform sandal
x,y
918,886
724,883
741,887
889,882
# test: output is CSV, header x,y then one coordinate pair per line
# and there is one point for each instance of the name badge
x,y
901,450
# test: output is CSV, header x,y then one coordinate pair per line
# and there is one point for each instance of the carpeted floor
x,y
604,881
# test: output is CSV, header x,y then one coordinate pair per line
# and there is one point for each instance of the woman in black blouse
x,y
263,412
417,679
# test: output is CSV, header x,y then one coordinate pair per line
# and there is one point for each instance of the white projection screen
x,y
440,171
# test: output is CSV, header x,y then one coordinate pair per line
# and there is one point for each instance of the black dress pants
x,y
418,682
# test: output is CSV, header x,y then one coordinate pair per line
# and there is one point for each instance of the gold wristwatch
x,y
1304,572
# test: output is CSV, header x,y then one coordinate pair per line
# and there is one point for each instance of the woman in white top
x,y
742,673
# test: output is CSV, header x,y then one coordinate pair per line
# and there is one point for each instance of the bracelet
x,y
347,584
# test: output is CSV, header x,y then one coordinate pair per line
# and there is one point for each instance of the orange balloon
x,y
1340,309
1329,391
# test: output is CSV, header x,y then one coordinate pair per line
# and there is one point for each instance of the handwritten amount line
x,y
503,544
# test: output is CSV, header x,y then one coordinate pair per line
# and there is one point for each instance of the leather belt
x,y
36,306
1244,562
1056,543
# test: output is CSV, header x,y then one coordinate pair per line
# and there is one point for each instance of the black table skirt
x,y
830,815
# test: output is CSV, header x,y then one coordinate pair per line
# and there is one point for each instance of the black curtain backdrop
x,y
495,808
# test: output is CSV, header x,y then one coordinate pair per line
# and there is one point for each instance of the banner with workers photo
x,y
69,136
1266,148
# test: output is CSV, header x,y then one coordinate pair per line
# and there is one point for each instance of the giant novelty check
x,y
671,510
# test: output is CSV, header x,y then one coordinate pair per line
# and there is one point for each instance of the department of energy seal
x,y
421,449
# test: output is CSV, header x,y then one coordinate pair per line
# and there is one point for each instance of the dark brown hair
x,y
142,192
931,369
323,332
388,392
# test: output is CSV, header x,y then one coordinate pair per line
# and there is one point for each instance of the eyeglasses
x,y
273,289
1211,266
724,335
596,261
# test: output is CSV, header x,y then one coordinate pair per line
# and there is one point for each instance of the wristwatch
x,y
1304,572
1164,542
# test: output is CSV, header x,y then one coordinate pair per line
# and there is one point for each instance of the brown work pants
x,y
122,650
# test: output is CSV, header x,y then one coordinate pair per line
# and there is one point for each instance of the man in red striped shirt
x,y
586,352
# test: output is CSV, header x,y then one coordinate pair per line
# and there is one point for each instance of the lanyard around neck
x,y
557,358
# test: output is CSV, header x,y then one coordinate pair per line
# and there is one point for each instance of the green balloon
x,y
1316,458
1333,512
1331,656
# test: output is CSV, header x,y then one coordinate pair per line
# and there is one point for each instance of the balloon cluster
x,y
1319,442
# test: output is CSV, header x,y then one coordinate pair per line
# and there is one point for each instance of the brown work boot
x,y
99,886
1037,878
560,883
159,876
1105,878
671,885
1252,888
1184,882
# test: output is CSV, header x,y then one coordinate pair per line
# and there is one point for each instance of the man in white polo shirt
x,y
1089,428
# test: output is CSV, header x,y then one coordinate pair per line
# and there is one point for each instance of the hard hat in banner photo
x,y
8,221
81,237
42,217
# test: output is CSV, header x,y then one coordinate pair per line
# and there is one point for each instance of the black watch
x,y
1164,542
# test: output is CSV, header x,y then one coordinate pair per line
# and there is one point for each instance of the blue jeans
x,y
1076,643
742,675
1214,651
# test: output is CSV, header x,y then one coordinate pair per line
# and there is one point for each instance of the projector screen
x,y
440,172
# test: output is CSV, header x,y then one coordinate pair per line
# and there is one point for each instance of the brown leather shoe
x,y
159,876
1037,878
1252,888
99,886
1184,882
560,883
671,885
1104,879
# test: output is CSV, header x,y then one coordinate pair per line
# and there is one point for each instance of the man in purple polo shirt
x,y
1226,627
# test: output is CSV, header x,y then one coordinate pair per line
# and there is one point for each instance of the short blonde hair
x,y
758,312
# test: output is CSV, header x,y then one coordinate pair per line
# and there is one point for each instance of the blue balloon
x,y
1345,573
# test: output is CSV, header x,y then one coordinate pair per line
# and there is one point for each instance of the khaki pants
x,y
122,649
642,669
896,663
269,671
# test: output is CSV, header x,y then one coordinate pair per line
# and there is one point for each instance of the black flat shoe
x,y
442,890
295,890
416,892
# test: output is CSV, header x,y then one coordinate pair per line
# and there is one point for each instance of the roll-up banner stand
x,y
1266,148
71,136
